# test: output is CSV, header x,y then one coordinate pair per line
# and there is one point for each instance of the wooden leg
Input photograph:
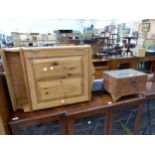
x,y
15,129
108,123
151,67
138,118
70,126
63,125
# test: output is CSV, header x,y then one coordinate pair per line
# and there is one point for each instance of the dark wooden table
x,y
102,65
100,103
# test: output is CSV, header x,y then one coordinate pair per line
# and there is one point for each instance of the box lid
x,y
125,73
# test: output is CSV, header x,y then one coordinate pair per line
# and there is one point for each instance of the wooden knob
x,y
62,101
51,68
45,69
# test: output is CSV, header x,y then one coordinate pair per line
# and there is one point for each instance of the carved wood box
x,y
125,82
45,77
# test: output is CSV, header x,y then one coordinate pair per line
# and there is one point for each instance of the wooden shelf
x,y
102,67
100,60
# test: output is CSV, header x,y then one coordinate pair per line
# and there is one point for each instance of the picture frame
x,y
145,27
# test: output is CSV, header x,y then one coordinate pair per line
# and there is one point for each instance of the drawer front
x,y
57,89
57,67
58,77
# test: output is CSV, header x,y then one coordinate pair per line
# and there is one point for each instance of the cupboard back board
x,y
45,77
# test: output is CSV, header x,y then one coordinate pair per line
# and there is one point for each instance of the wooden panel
x,y
71,81
15,78
4,107
16,73
13,58
68,71
59,102
28,99
99,73
9,79
20,91
132,85
132,61
59,89
101,65
29,70
57,67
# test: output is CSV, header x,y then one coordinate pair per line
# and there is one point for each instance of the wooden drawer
x,y
58,76
57,67
57,89
57,79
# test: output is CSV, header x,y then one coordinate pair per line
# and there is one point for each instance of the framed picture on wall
x,y
145,27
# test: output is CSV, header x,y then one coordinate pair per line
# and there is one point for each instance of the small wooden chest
x,y
124,82
45,77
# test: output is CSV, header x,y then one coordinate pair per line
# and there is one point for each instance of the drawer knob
x,y
51,68
62,101
45,69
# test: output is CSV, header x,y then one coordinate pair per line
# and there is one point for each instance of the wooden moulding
x,y
46,77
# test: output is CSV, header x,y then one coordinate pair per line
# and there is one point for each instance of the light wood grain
x,y
28,96
9,80
57,67
49,76
68,66
15,77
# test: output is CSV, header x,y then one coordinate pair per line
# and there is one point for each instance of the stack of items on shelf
x,y
68,37
32,39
